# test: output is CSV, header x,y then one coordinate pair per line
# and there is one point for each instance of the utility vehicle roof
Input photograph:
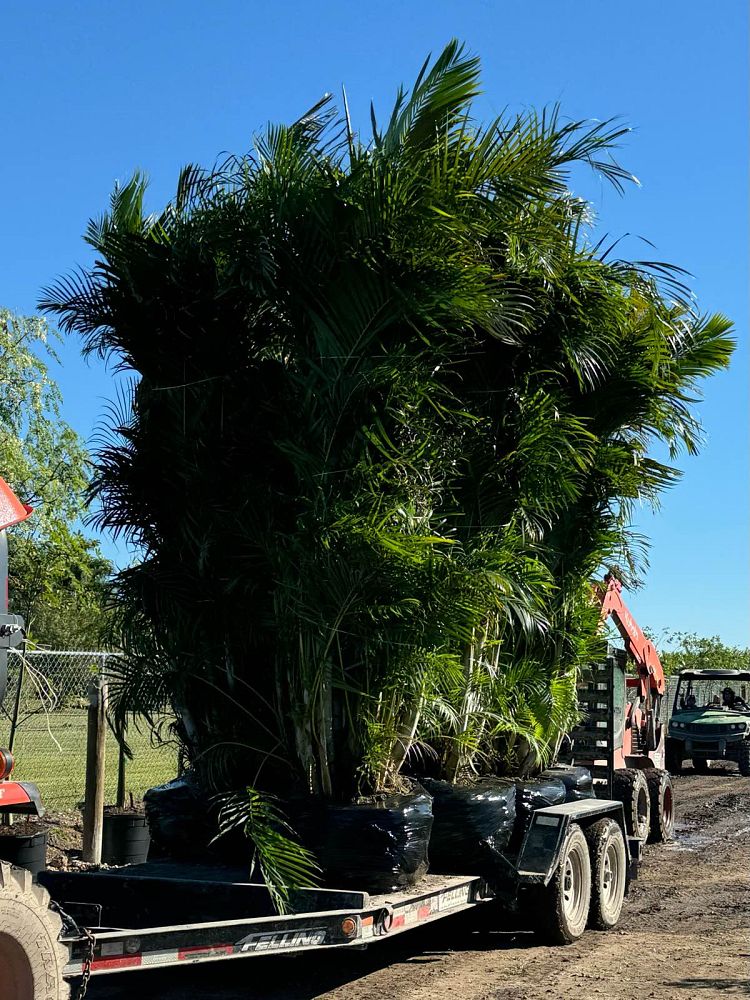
x,y
708,675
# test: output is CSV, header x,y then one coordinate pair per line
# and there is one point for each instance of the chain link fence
x,y
44,722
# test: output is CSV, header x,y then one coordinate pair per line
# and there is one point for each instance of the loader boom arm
x,y
641,649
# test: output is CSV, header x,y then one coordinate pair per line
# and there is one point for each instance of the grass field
x,y
50,750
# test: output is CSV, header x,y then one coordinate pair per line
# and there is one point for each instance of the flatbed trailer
x,y
165,914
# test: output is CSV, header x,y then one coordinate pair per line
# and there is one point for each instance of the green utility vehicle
x,y
710,720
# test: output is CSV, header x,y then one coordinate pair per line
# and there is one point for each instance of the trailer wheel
x,y
31,956
662,805
744,759
701,765
629,787
562,907
609,866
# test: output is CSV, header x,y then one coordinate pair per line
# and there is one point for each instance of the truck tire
x,y
31,956
661,794
744,758
609,869
629,787
673,756
701,765
561,909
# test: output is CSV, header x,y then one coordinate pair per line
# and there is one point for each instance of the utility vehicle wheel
x,y
744,758
673,756
31,956
629,787
562,907
609,864
661,794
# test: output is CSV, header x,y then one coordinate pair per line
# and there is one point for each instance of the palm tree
x,y
390,413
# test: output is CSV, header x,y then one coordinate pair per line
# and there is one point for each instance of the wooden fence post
x,y
120,801
93,807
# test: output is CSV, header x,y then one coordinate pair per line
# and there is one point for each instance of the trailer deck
x,y
162,914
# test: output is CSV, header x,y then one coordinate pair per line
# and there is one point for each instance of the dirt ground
x,y
684,935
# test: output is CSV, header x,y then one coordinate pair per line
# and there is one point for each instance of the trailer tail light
x,y
349,927
109,964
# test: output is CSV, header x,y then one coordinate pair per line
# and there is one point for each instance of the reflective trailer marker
x,y
547,820
204,951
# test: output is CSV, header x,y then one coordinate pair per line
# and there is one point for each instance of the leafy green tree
x,y
690,651
40,455
57,576
59,584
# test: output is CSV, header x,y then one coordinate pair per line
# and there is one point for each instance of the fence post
x,y
21,656
93,807
120,803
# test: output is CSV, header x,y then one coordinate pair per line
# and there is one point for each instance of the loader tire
x,y
629,787
561,908
744,758
609,872
661,794
31,956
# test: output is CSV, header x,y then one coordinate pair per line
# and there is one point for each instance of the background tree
x,y
690,651
60,585
57,575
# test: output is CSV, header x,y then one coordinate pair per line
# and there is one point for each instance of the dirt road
x,y
684,935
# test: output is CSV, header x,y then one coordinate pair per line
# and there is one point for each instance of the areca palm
x,y
390,415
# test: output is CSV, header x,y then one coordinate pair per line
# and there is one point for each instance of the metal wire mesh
x,y
44,720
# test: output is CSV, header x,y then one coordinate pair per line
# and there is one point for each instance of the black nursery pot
x,y
125,839
25,850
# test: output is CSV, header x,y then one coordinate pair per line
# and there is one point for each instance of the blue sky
x,y
92,90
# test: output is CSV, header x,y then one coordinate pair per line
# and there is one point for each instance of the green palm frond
x,y
284,864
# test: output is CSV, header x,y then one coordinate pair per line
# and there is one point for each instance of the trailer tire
x,y
744,759
609,871
561,908
31,956
629,787
701,765
661,793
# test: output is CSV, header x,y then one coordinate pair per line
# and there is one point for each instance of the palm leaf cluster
x,y
392,410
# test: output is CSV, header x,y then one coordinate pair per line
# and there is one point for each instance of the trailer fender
x,y
542,845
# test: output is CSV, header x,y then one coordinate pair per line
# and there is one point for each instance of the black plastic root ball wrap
x,y
533,794
577,780
375,847
473,825
183,822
